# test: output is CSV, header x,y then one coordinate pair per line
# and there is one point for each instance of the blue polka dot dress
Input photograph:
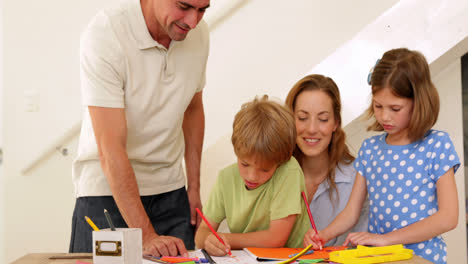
x,y
401,183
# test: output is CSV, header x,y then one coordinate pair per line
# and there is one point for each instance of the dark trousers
x,y
168,212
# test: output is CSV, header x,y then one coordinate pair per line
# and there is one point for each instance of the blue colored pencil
x,y
307,253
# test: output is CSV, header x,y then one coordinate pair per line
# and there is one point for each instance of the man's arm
x,y
110,129
194,129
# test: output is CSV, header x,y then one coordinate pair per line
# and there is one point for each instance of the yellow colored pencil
x,y
91,223
297,256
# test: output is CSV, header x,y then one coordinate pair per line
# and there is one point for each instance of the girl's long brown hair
x,y
407,73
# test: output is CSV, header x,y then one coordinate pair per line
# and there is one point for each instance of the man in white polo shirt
x,y
142,73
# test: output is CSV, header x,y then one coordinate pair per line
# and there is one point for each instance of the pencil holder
x,y
122,246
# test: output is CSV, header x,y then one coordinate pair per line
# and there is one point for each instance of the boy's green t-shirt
x,y
252,210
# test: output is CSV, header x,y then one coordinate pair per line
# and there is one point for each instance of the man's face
x,y
178,17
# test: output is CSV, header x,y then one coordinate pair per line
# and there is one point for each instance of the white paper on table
x,y
239,257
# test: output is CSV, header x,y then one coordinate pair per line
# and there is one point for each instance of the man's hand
x,y
195,202
164,246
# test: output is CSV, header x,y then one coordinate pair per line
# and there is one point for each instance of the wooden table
x,y
43,258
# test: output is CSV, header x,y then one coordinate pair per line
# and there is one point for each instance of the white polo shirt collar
x,y
140,30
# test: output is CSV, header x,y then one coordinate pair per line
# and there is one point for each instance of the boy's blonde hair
x,y
264,129
407,73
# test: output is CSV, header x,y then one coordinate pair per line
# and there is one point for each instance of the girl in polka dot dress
x,y
408,171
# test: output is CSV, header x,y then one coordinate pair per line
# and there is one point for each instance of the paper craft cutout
x,y
262,254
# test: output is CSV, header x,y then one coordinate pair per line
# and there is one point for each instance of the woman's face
x,y
315,122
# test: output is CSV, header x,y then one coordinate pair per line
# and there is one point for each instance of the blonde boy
x,y
260,196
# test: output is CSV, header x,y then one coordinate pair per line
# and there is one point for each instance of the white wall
x,y
40,41
1,79
431,26
2,184
268,45
448,83
263,48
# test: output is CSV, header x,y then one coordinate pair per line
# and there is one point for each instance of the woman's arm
x,y
346,219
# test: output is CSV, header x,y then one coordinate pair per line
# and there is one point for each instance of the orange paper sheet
x,y
283,253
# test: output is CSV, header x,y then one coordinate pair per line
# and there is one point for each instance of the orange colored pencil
x,y
212,229
172,259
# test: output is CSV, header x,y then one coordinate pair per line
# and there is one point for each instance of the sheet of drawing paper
x,y
239,257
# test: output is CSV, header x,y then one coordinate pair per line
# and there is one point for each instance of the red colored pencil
x,y
312,223
212,229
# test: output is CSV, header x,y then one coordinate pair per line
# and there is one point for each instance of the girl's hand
x,y
365,238
315,239
214,247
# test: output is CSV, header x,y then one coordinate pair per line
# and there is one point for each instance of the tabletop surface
x,y
44,258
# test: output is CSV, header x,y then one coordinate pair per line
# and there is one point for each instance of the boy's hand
x,y
214,247
317,240
365,238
